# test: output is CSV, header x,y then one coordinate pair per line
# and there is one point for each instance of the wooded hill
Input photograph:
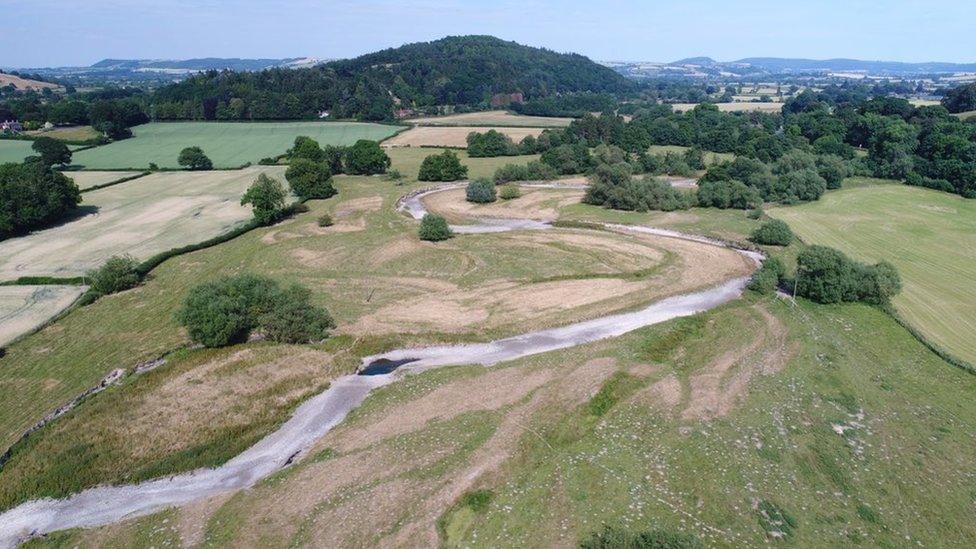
x,y
457,70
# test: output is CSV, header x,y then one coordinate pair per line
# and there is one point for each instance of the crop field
x,y
454,136
89,179
25,308
929,236
408,159
14,150
635,433
733,107
491,118
227,144
142,217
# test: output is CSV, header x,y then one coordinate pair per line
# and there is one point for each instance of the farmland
x,y
491,118
929,236
407,160
227,144
88,179
733,107
14,150
68,133
25,308
455,136
142,217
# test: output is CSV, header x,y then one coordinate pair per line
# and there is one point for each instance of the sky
x,y
45,33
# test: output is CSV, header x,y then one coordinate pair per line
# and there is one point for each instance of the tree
x,y
825,275
960,99
767,278
33,195
568,159
267,196
801,185
442,167
489,144
833,169
293,319
481,191
193,158
115,275
52,151
773,233
307,148
434,228
533,171
366,158
309,179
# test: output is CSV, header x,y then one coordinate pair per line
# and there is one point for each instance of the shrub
x,y
309,179
293,319
803,185
153,167
268,161
490,143
267,196
325,220
767,278
614,187
509,192
833,169
755,214
305,148
728,194
481,191
826,275
395,176
115,275
365,158
568,159
773,233
533,171
695,158
616,538
434,228
442,167
193,158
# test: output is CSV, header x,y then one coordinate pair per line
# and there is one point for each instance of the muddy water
x,y
317,416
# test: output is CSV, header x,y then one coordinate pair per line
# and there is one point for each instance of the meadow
x,y
14,150
25,308
227,144
452,136
142,217
928,235
491,118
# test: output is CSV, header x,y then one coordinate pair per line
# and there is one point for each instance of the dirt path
x,y
317,416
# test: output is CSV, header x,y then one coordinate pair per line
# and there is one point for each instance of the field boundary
x,y
116,182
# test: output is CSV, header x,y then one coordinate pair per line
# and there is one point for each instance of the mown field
x,y
88,179
68,133
228,144
491,118
453,136
759,422
25,308
142,217
14,150
930,236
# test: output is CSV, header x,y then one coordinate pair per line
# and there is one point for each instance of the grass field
x,y
68,133
454,136
14,150
930,236
687,427
733,107
142,217
89,179
492,118
228,144
25,308
408,160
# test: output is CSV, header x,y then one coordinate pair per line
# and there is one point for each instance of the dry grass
x,y
452,136
539,204
25,308
89,179
491,118
733,107
68,133
24,83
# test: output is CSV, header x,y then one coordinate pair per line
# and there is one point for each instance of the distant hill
x,y
706,66
457,70
22,84
203,64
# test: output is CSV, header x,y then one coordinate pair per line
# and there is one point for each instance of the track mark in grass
x,y
660,347
614,538
612,391
775,521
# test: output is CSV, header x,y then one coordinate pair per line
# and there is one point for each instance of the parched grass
x,y
227,144
492,118
710,157
408,159
734,107
89,179
25,308
73,134
928,235
453,136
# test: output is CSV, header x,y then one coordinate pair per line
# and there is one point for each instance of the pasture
x,y
25,308
491,118
14,150
68,133
227,144
929,236
452,136
88,179
142,217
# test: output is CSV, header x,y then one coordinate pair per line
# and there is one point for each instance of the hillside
x,y
457,70
22,84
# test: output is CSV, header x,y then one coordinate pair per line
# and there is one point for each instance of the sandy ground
x,y
156,213
88,179
490,118
25,308
451,136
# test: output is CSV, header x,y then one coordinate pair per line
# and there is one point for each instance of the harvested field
x,y
25,308
155,213
408,159
89,179
68,133
733,107
491,118
430,136
24,83
538,204
227,144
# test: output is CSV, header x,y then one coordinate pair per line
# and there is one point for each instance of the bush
x,y
833,169
613,187
533,171
755,214
767,278
267,196
801,185
395,176
442,167
615,538
33,195
309,179
481,191
115,275
305,148
193,158
268,161
728,194
568,159
366,158
773,233
695,158
826,275
325,220
489,144
434,228
226,310
509,192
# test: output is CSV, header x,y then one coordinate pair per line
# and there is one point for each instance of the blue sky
x,y
79,32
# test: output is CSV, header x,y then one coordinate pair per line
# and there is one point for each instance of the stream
x,y
318,415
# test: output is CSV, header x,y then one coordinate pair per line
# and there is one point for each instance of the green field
x,y
929,235
14,150
228,144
